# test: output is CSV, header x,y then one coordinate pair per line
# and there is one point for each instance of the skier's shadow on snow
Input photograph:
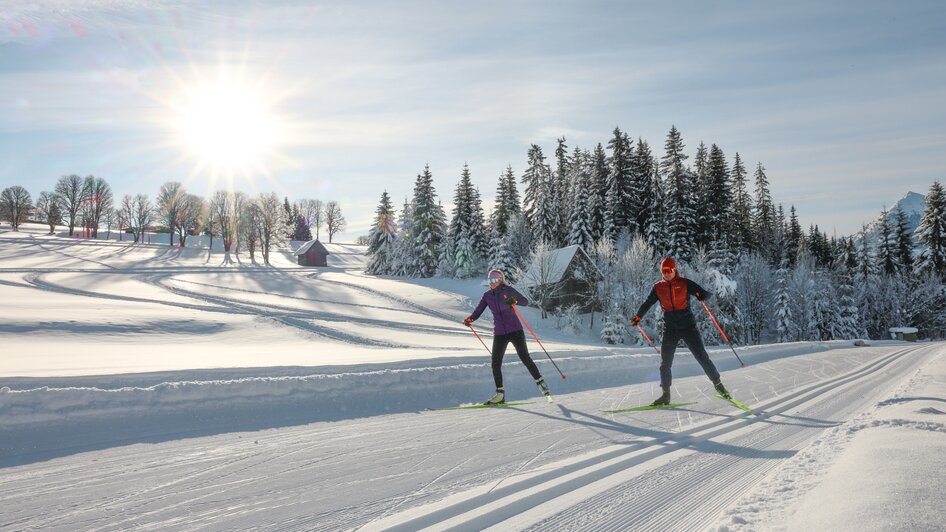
x,y
671,440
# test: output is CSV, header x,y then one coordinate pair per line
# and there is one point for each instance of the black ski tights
x,y
518,339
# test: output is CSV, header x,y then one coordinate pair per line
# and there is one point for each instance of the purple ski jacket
x,y
505,320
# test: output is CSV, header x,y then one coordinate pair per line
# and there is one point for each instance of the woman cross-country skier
x,y
673,292
506,328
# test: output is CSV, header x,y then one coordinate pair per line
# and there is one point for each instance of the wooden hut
x,y
312,253
904,333
563,277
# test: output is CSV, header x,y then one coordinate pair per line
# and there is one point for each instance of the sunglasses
x,y
667,270
494,281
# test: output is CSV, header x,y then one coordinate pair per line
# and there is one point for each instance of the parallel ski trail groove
x,y
506,502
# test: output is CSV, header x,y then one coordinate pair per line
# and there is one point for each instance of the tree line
x,y
626,207
254,223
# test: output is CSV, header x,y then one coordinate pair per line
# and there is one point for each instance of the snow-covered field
x,y
149,387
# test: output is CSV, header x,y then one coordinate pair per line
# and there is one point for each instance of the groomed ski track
x,y
567,466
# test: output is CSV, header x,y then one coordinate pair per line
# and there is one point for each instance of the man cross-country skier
x,y
506,328
673,292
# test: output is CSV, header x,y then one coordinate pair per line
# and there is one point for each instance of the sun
x,y
228,126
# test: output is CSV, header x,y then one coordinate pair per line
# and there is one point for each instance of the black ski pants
x,y
518,339
691,337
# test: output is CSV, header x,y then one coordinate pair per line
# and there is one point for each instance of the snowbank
x,y
337,395
882,470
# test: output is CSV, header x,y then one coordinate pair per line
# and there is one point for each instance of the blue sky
x,y
842,102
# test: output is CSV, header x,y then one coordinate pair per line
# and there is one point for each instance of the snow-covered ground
x,y
148,387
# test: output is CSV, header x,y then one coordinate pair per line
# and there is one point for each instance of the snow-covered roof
x,y
904,330
551,267
308,245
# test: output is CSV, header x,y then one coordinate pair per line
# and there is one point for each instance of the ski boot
x,y
664,398
497,399
544,388
721,390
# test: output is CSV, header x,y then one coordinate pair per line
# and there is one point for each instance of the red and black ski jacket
x,y
674,300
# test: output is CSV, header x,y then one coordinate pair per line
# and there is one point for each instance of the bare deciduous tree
x,y
140,215
97,200
15,205
190,217
169,205
269,222
334,221
48,209
137,214
121,217
313,211
109,217
541,277
69,192
248,230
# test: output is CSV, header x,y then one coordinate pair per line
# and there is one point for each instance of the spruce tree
x,y
701,197
546,225
785,328
507,201
719,198
599,191
402,263
847,325
381,238
904,243
580,220
655,232
501,256
886,245
427,228
535,179
764,218
561,188
289,220
681,219
644,186
466,241
794,238
931,233
741,225
616,217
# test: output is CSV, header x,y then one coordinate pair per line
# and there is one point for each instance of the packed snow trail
x,y
567,466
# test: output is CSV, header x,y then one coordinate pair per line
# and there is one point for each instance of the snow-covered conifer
x,y
741,226
580,220
904,243
679,208
765,219
427,228
534,179
599,191
931,233
642,185
786,330
886,245
381,238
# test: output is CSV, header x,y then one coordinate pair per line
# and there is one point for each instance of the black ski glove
x,y
511,300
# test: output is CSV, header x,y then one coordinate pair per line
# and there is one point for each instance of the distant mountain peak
x,y
912,205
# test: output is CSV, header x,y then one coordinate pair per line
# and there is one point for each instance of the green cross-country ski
x,y
481,405
649,407
735,402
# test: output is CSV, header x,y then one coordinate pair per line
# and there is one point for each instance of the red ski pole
x,y
524,322
726,338
651,342
480,339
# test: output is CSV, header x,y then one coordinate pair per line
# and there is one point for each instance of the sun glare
x,y
227,126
